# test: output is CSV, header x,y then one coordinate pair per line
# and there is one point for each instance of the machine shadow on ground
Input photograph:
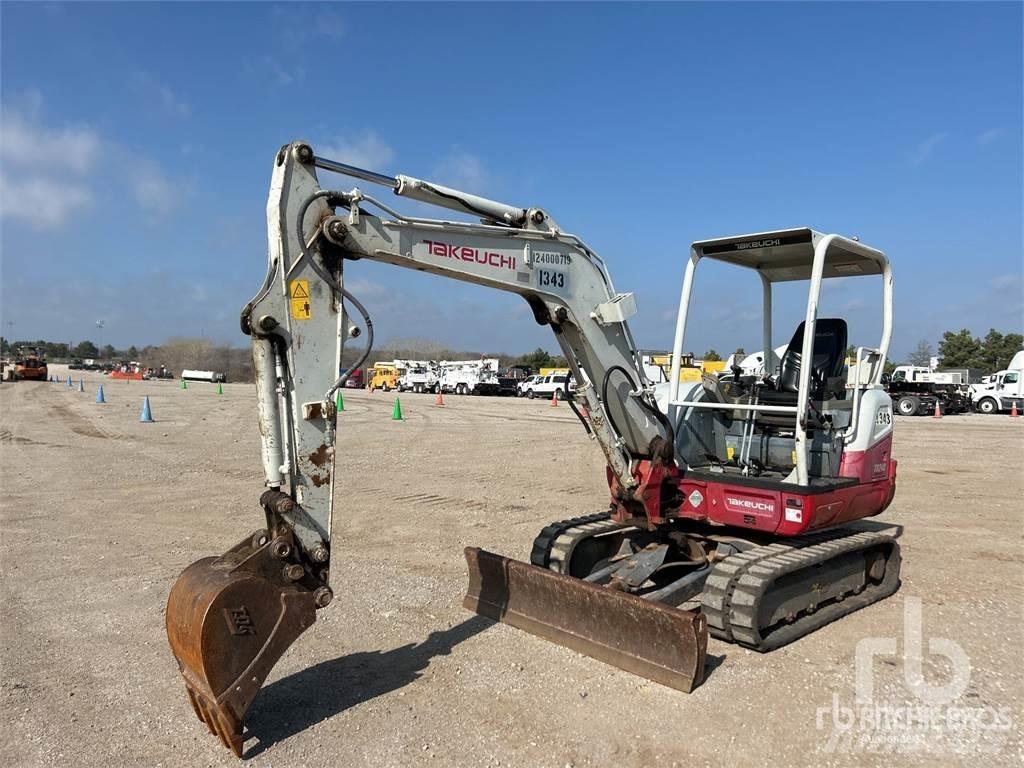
x,y
345,682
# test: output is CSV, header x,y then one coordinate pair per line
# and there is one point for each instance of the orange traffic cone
x,y
440,398
554,399
938,413
1013,411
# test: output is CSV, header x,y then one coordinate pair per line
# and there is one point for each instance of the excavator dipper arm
x,y
230,618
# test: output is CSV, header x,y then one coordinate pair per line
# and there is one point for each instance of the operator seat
x,y
827,361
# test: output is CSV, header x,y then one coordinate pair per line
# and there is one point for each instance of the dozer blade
x,y
229,619
655,641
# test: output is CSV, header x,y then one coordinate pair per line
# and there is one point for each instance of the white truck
x,y
527,384
553,385
916,390
469,377
418,376
1002,390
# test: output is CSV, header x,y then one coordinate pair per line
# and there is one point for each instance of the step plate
x,y
655,641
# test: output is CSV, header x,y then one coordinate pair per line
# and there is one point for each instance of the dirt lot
x,y
100,513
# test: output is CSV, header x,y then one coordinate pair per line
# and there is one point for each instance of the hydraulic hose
x,y
366,351
572,405
335,285
604,394
652,409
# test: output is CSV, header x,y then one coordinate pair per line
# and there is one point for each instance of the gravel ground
x,y
100,513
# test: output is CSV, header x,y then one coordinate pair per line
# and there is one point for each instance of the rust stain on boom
x,y
661,643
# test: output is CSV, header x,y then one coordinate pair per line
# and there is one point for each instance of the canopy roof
x,y
788,254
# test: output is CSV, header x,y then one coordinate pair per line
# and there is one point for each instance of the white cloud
x,y
926,148
328,24
155,192
41,182
461,170
283,75
40,202
1007,282
368,151
49,173
161,94
836,284
294,31
367,289
173,103
24,142
987,137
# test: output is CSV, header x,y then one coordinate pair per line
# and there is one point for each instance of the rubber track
x,y
732,601
560,554
717,595
540,555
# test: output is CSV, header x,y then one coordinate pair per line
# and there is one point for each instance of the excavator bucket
x,y
229,619
649,639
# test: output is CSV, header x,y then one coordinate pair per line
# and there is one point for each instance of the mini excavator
x,y
733,500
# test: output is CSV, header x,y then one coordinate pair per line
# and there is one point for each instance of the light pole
x,y
99,326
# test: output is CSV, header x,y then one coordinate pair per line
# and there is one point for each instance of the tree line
x,y
962,349
176,354
56,350
958,349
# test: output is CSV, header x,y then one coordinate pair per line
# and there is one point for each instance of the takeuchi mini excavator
x,y
732,500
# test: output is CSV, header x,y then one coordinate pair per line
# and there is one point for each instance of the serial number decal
x,y
550,278
884,417
551,257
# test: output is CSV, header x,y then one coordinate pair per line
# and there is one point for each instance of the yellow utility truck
x,y
384,376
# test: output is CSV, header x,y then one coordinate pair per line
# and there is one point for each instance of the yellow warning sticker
x,y
298,293
729,452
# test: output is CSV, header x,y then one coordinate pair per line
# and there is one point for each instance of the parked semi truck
x,y
916,390
1002,389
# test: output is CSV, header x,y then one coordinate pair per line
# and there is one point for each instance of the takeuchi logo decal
x,y
473,255
755,506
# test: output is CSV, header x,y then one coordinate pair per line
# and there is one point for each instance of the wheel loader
x,y
732,503
30,365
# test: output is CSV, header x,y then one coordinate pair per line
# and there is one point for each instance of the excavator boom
x,y
229,619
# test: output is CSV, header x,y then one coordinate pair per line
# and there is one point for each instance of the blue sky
x,y
137,142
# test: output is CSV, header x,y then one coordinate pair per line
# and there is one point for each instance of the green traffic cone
x,y
396,414
184,384
339,403
220,389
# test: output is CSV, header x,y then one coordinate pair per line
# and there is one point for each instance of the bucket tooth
x,y
659,642
229,620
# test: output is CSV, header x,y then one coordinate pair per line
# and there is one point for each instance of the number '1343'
x,y
548,278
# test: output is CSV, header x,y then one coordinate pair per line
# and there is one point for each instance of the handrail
x,y
734,406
